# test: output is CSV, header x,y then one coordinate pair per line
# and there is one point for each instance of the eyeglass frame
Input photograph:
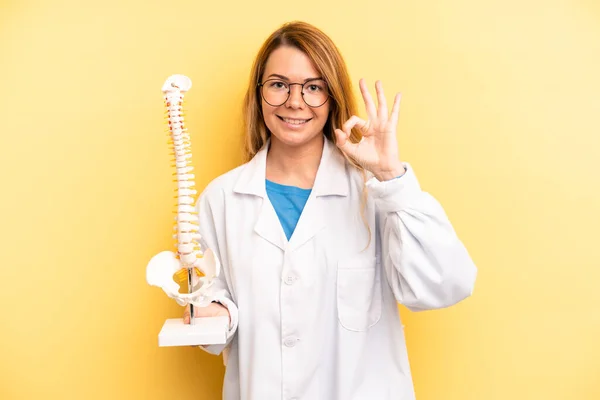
x,y
290,84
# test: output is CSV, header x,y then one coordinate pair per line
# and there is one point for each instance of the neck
x,y
294,166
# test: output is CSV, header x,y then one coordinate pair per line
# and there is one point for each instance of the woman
x,y
321,233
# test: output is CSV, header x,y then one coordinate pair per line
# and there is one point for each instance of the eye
x,y
277,85
314,87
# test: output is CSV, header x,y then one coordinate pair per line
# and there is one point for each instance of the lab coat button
x,y
289,279
290,342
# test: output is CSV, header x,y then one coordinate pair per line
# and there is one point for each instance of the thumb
x,y
186,315
344,143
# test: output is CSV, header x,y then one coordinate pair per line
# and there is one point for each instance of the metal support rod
x,y
190,289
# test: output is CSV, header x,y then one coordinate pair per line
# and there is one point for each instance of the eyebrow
x,y
287,79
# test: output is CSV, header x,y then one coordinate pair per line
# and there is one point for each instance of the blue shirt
x,y
288,202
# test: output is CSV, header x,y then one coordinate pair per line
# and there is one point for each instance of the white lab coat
x,y
316,318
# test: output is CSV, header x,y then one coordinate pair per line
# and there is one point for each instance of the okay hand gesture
x,y
378,149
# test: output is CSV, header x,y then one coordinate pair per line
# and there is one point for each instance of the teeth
x,y
295,121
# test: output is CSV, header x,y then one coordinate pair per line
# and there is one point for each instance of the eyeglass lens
x,y
276,92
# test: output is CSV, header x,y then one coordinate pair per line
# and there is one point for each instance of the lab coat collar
x,y
332,178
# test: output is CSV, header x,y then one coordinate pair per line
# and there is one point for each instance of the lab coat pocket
x,y
358,293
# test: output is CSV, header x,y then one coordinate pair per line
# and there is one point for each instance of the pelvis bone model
x,y
192,258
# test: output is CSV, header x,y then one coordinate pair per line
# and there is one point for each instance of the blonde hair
x,y
329,62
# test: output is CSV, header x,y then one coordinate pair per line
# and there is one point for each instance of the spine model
x,y
186,225
191,259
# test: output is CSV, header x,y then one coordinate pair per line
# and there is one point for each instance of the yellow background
x,y
500,118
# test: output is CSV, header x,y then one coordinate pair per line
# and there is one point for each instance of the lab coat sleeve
x,y
426,264
220,290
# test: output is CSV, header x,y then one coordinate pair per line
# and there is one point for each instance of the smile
x,y
292,121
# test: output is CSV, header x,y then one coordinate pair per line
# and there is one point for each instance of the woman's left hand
x,y
378,149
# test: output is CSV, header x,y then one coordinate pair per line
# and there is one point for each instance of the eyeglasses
x,y
276,92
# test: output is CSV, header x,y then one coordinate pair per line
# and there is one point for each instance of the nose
x,y
295,99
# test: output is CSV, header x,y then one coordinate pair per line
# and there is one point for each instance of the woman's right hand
x,y
211,310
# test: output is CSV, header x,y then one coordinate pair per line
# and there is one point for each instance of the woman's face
x,y
293,123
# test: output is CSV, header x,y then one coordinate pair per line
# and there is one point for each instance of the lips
x,y
294,121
